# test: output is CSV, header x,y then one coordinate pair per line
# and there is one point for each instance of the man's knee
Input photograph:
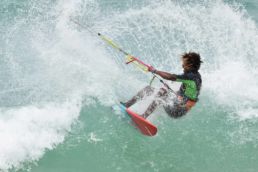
x,y
162,92
148,87
148,90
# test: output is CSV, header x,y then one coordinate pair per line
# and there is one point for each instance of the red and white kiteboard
x,y
140,123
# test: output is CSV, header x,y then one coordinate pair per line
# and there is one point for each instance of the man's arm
x,y
166,75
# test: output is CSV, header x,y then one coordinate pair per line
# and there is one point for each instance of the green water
x,y
194,143
58,83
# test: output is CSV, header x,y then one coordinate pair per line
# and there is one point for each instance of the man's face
x,y
185,66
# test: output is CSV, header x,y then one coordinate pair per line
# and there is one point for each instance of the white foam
x,y
27,132
223,34
72,62
93,138
248,113
66,67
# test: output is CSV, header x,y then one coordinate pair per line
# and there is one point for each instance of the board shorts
x,y
179,107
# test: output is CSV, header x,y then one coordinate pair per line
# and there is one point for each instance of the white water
x,y
27,132
49,64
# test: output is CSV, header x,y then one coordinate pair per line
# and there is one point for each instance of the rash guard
x,y
191,85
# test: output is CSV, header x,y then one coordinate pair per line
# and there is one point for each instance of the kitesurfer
x,y
186,96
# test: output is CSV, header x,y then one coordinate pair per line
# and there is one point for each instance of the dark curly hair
x,y
193,59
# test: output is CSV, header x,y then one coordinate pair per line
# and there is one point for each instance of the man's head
x,y
191,61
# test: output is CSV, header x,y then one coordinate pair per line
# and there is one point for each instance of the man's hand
x,y
151,69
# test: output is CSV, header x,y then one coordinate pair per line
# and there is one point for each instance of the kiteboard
x,y
141,124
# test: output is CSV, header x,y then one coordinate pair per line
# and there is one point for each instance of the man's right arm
x,y
166,75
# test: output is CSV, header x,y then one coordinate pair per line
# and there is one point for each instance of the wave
x,y
50,66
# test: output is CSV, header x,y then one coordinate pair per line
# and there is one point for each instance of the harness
x,y
188,104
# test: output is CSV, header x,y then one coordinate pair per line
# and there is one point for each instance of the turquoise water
x,y
58,82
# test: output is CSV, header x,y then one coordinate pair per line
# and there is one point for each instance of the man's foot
x,y
124,104
144,116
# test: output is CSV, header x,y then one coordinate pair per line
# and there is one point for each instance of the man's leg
x,y
160,97
176,110
147,91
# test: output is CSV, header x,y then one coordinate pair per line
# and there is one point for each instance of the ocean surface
x,y
59,80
